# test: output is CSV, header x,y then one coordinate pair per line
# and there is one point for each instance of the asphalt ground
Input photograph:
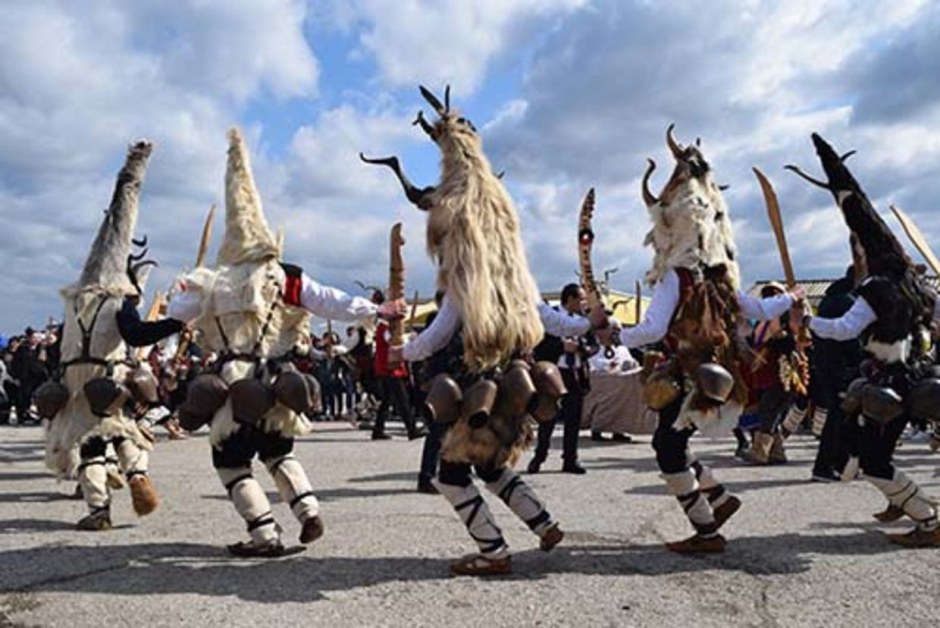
x,y
799,553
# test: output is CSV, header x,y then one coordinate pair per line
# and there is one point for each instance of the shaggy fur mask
x,y
691,225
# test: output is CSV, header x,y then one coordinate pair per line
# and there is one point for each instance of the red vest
x,y
381,355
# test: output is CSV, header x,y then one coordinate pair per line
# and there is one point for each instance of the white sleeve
x,y
333,303
435,337
850,325
655,324
764,309
562,324
185,306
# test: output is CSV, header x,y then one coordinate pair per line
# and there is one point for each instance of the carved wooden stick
x,y
585,243
396,283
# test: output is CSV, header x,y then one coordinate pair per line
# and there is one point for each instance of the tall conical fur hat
x,y
883,252
107,259
247,236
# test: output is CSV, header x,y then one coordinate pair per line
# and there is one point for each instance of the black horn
x,y
803,175
648,196
432,99
420,198
424,124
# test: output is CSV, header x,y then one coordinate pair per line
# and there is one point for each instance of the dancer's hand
x,y
396,355
391,310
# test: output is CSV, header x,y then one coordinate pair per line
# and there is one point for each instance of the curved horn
x,y
648,196
419,120
139,256
847,155
142,242
420,198
674,146
805,176
447,99
147,262
432,99
723,188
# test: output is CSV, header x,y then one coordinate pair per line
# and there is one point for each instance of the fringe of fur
x,y
247,236
500,443
694,229
75,423
107,260
473,233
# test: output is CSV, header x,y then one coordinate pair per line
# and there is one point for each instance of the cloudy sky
x,y
567,94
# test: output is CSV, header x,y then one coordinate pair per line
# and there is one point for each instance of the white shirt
x,y
323,301
447,321
851,324
655,324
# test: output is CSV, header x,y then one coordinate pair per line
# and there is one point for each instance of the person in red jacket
x,y
393,384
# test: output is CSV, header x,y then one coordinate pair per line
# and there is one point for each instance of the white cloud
x,y
753,80
449,41
80,80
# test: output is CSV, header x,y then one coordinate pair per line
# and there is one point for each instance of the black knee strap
x,y
260,521
231,485
297,499
91,463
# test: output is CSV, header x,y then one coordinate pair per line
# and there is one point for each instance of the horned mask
x,y
691,224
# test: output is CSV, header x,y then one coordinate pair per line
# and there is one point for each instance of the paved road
x,y
800,554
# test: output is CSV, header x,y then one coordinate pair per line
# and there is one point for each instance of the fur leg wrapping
x,y
294,487
793,419
904,493
476,515
133,459
93,478
687,490
113,467
251,503
522,500
714,491
819,421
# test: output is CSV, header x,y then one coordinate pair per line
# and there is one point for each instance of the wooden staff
x,y
396,283
585,244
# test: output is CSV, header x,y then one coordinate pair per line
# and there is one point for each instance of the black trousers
x,y
876,445
771,407
458,473
394,395
239,448
570,415
834,449
671,446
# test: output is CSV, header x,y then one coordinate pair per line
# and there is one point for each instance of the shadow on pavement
x,y
173,568
37,497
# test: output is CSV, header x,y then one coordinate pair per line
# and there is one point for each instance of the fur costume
x,y
892,317
92,304
473,234
692,234
249,310
241,307
490,301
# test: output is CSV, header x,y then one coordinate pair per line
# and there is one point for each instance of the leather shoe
x,y
621,438
574,468
428,488
698,545
418,432
380,436
598,437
